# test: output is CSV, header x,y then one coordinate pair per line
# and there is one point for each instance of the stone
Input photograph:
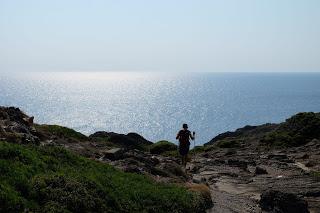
x,y
278,157
198,179
173,168
281,202
303,156
260,171
311,163
113,154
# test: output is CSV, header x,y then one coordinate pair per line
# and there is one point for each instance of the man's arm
x,y
178,135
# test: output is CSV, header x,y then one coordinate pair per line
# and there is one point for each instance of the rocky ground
x,y
251,177
268,168
238,180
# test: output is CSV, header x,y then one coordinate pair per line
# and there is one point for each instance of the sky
x,y
166,35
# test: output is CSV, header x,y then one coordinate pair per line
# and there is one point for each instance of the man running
x,y
184,136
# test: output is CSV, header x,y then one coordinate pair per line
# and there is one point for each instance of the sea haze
x,y
155,105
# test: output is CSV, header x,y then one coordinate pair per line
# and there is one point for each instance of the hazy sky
x,y
160,35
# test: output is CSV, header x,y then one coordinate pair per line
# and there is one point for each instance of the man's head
x,y
185,126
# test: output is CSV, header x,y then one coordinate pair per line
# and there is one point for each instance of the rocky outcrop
x,y
269,168
129,141
252,169
160,168
228,134
129,152
281,202
16,126
260,171
245,131
113,154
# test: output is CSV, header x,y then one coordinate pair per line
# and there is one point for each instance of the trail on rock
x,y
236,186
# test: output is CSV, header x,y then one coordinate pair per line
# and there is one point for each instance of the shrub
x,y
297,130
69,193
10,201
204,191
61,131
51,179
162,146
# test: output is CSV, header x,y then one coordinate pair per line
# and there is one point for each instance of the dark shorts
x,y
184,149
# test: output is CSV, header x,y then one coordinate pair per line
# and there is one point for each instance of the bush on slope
x,y
52,179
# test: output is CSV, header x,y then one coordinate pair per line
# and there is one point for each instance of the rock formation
x,y
270,168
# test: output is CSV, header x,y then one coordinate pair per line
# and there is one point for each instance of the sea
x,y
156,105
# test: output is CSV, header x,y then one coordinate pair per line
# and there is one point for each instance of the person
x,y
184,137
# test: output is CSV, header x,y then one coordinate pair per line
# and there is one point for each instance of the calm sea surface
x,y
156,105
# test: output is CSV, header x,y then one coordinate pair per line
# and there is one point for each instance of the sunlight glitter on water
x,y
156,104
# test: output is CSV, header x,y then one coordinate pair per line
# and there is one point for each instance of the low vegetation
x,y
60,131
163,147
52,179
227,143
297,130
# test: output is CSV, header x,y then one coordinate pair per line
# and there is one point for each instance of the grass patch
x,y
52,179
163,147
60,131
297,130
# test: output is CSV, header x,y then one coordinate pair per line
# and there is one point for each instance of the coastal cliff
x,y
269,168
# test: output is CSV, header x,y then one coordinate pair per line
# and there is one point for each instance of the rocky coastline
x,y
266,168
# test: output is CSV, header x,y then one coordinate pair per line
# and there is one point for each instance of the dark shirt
x,y
184,136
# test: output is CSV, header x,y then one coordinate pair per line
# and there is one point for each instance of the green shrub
x,y
10,201
69,193
162,146
297,130
51,179
61,131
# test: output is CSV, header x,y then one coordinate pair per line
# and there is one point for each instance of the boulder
x,y
199,179
113,154
281,202
15,126
311,163
260,171
173,168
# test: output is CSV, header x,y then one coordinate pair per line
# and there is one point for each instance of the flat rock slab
x,y
113,154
